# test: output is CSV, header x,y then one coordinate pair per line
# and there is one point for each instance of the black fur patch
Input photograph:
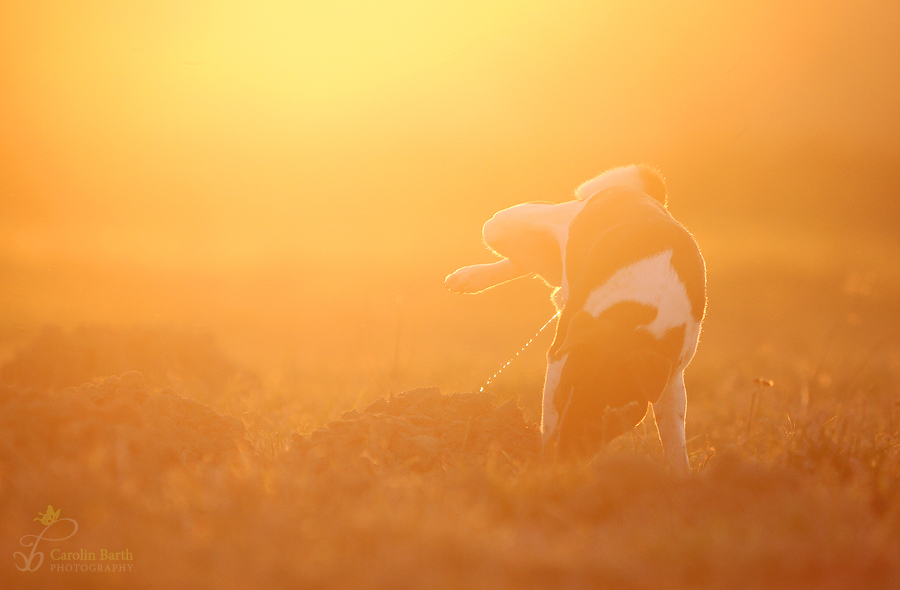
x,y
599,395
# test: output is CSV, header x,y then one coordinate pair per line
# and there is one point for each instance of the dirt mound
x,y
123,427
422,430
120,425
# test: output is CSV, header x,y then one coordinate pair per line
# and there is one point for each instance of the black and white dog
x,y
631,284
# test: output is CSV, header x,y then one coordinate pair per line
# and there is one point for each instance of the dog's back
x,y
625,246
636,297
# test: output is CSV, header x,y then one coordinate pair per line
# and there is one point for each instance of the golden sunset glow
x,y
254,206
235,133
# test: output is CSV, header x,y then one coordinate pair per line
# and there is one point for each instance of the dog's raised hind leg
x,y
478,277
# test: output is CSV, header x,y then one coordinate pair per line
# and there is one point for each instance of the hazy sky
x,y
227,133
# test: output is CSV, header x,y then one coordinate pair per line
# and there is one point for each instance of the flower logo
x,y
50,517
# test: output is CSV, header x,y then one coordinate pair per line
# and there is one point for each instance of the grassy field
x,y
793,428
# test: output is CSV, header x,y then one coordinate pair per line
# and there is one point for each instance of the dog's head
x,y
613,368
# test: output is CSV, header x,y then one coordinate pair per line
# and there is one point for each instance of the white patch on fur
x,y
550,416
513,222
627,176
651,281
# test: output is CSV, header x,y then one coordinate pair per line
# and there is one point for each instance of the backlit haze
x,y
290,173
226,347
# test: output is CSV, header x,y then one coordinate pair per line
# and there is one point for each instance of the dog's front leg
x,y
669,412
549,414
478,277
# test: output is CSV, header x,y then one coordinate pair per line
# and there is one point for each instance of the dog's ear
x,y
650,371
582,329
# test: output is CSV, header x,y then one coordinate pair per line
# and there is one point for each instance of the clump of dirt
x,y
120,425
423,430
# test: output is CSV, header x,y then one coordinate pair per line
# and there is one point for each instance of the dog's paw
x,y
471,279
